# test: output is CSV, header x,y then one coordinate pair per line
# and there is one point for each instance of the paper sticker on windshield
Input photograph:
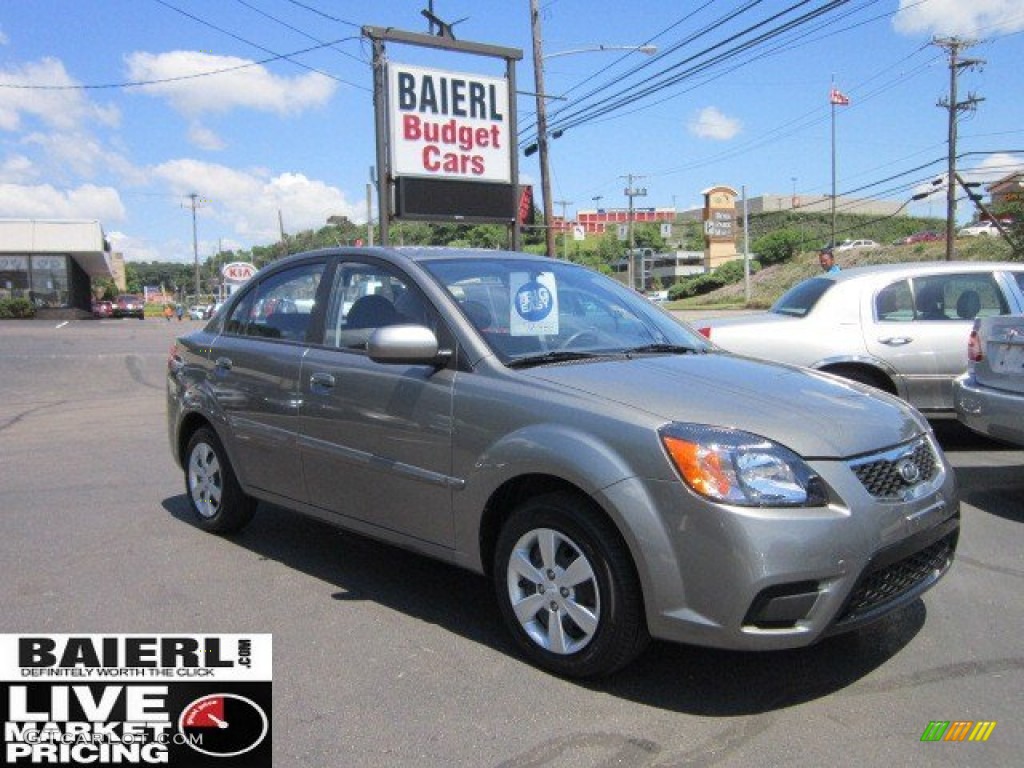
x,y
534,304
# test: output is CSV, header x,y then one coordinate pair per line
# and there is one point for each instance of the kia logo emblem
x,y
908,471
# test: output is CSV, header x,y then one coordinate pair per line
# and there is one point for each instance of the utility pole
x,y
632,192
953,45
194,198
369,213
542,128
565,228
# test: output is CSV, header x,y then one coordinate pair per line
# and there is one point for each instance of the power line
x,y
325,15
630,95
157,81
241,39
305,34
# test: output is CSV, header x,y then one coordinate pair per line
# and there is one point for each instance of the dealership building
x,y
52,262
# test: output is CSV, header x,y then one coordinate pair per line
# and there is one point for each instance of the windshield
x,y
530,310
801,298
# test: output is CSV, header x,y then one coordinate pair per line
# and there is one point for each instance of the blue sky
x,y
295,135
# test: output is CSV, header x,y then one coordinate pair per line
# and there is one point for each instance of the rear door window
x,y
801,298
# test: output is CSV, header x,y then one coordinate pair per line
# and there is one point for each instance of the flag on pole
x,y
837,97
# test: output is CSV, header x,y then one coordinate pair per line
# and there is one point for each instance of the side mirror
x,y
405,345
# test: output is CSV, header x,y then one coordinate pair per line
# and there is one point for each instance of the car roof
x,y
912,268
417,253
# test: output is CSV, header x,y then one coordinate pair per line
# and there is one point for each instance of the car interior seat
x,y
411,309
373,311
929,302
968,305
478,314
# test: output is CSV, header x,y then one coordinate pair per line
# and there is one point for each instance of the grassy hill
x,y
771,282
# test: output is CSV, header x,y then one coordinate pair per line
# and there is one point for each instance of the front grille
x,y
885,476
885,584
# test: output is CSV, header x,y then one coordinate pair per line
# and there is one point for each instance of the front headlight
x,y
740,468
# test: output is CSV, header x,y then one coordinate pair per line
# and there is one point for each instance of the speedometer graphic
x,y
223,724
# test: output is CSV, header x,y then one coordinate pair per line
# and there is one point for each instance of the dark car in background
x,y
129,305
613,473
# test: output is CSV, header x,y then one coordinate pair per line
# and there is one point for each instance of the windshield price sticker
x,y
186,700
534,299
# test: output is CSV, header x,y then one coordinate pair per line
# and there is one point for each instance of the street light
x,y
542,113
647,49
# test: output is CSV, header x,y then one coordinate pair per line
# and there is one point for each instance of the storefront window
x,y
13,277
49,281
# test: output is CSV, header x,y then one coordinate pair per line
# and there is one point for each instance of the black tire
x,y
217,500
600,617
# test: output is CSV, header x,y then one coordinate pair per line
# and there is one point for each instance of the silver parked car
x,y
900,327
613,473
990,396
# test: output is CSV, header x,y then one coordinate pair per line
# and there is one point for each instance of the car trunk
x,y
1003,346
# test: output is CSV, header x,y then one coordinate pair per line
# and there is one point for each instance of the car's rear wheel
x,y
567,588
218,503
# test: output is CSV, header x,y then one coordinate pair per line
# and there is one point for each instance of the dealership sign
x,y
448,125
238,271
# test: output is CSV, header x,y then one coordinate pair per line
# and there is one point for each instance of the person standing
x,y
168,312
827,260
181,311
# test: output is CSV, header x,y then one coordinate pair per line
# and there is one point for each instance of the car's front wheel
x,y
567,588
218,502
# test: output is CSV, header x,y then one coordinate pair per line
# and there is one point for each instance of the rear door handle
x,y
321,380
223,362
895,341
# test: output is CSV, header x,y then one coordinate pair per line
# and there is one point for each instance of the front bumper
x,y
763,579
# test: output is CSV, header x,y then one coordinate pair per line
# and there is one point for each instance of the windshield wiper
x,y
556,356
672,349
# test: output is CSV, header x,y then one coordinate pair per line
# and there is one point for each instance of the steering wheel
x,y
596,333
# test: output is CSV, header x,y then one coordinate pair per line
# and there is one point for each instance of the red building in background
x,y
596,220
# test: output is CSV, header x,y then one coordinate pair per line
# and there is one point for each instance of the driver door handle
x,y
321,380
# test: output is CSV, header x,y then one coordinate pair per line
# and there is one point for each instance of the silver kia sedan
x,y
902,328
613,473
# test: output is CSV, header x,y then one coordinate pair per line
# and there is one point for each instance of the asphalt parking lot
x,y
384,658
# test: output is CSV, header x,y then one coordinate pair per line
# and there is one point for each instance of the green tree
x,y
778,246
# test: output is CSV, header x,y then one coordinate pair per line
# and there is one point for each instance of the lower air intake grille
x,y
886,583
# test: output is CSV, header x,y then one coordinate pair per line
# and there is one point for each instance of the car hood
x,y
814,414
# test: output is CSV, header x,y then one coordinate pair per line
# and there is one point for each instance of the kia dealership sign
x,y
238,271
449,125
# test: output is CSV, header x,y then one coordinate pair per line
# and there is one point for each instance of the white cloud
x,y
249,201
43,201
79,154
959,17
994,167
3,38
711,123
204,138
135,248
62,108
253,87
17,169
988,171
